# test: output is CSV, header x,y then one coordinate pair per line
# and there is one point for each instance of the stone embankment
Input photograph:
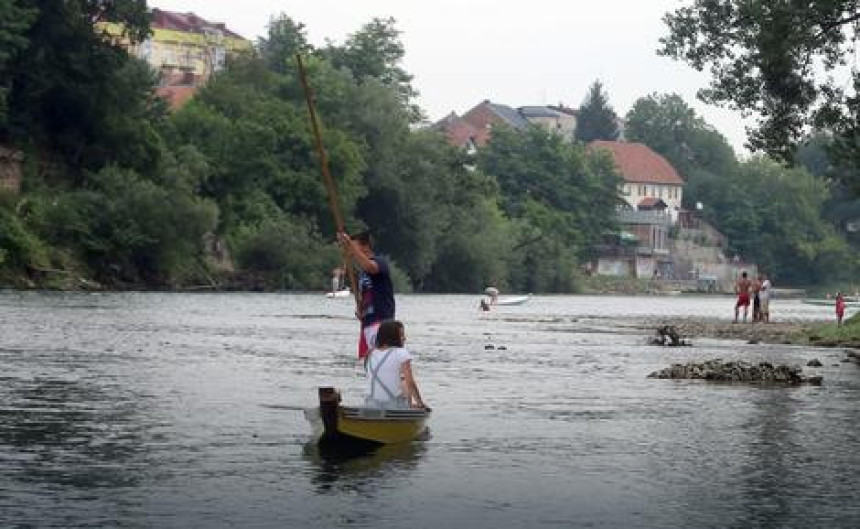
x,y
737,371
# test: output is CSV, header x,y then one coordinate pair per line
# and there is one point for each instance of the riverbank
x,y
818,334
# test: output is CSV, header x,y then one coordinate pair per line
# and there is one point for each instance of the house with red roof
x,y
650,181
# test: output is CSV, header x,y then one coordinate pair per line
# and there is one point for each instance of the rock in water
x,y
814,363
737,371
668,335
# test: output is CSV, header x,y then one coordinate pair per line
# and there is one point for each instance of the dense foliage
x,y
228,189
596,119
788,63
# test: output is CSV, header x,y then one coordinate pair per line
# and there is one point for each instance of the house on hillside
x,y
658,238
185,49
473,129
648,177
558,120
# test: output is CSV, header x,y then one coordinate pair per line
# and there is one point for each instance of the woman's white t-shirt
x,y
385,373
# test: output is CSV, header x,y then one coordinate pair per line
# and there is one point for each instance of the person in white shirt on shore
x,y
764,296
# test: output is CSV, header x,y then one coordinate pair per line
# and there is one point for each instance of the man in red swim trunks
x,y
742,289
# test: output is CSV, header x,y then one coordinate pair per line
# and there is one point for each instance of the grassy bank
x,y
832,335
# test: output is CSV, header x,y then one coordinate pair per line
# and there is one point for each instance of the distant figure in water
x,y
484,305
493,294
840,308
389,370
336,276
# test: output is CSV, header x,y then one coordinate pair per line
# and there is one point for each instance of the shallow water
x,y
176,410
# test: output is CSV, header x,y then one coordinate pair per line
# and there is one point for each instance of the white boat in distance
x,y
512,300
344,293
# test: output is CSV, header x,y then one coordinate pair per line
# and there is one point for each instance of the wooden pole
x,y
328,181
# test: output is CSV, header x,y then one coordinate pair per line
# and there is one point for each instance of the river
x,y
183,410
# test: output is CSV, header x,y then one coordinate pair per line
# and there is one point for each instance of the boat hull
x,y
336,425
514,300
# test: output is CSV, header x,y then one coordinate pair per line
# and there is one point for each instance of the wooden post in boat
x,y
328,181
329,402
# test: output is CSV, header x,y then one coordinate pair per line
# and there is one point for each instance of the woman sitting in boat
x,y
389,369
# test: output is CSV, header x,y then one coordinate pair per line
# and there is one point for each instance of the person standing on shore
x,y
765,292
756,301
374,283
742,289
840,308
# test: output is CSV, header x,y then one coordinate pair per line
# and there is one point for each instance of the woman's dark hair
x,y
389,334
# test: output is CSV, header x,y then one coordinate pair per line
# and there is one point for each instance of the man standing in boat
x,y
374,283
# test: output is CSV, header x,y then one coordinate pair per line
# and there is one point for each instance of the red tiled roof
x,y
188,22
650,202
458,131
639,164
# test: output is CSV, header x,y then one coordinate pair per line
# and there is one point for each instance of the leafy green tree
x,y
596,119
772,216
561,198
131,230
667,124
75,92
14,22
777,60
285,39
375,51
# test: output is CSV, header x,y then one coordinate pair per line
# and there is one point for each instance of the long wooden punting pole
x,y
331,189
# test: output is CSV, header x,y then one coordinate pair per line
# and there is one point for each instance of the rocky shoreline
x,y
739,371
691,328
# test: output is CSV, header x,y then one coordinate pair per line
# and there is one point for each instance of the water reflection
x,y
361,470
770,471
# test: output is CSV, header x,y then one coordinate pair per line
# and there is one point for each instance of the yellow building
x,y
186,50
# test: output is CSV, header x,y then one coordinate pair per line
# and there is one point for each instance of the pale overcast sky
x,y
512,52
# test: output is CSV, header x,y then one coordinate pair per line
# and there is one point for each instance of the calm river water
x,y
178,410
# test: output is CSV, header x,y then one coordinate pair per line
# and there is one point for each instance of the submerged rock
x,y
814,363
737,371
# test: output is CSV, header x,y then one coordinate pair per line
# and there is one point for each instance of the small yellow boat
x,y
336,425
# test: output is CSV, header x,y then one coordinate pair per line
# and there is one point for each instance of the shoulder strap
x,y
374,373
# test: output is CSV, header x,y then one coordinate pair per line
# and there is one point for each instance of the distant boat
x,y
512,300
356,427
344,293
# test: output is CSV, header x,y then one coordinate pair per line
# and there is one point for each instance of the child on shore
x,y
840,308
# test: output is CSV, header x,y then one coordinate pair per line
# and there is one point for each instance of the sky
x,y
517,53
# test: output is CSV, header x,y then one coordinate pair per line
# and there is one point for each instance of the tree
x,y
596,119
775,60
15,20
665,123
773,216
560,198
285,39
75,93
375,51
